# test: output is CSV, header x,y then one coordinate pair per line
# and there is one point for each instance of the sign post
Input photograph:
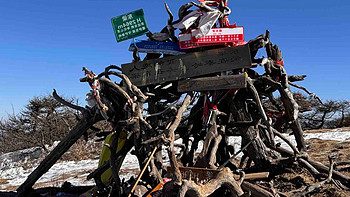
x,y
173,68
129,25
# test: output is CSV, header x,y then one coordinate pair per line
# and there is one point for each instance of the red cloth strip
x,y
279,63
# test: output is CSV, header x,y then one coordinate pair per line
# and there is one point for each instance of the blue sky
x,y
44,44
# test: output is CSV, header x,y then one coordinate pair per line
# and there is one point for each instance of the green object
x,y
129,25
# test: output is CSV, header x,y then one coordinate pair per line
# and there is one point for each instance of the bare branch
x,y
307,91
64,102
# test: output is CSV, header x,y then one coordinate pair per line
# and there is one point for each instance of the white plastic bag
x,y
206,22
188,20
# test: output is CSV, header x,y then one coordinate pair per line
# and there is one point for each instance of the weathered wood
x,y
255,190
336,175
258,175
82,126
224,178
170,133
266,121
317,186
188,65
199,72
207,157
290,144
315,173
205,174
291,110
143,170
225,82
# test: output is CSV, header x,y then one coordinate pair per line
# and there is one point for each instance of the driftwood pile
x,y
158,116
210,117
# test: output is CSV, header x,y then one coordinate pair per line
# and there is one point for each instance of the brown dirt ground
x,y
298,178
3,181
319,151
327,130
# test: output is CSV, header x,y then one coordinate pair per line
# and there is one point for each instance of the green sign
x,y
129,25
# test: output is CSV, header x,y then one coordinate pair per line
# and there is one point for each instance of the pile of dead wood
x,y
154,117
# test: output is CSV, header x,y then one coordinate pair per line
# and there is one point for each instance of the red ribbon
x,y
279,63
212,105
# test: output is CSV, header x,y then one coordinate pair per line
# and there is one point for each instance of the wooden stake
x,y
143,170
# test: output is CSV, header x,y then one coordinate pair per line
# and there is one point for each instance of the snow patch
x,y
341,136
16,176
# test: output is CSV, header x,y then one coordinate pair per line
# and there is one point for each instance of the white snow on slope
x,y
16,176
335,135
63,170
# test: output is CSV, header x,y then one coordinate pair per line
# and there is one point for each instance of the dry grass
x,y
299,178
3,181
83,150
292,179
296,178
319,151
